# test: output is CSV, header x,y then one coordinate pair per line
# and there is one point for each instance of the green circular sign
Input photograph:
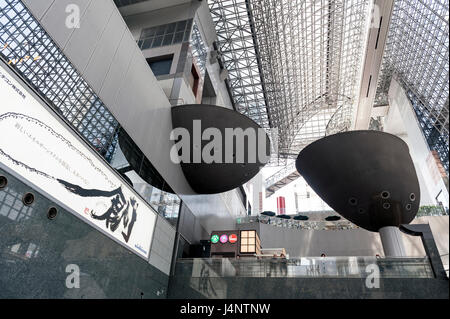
x,y
215,239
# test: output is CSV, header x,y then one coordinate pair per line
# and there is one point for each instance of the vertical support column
x,y
257,205
376,42
296,202
392,241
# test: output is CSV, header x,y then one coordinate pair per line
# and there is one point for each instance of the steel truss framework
x,y
236,43
311,53
299,61
417,55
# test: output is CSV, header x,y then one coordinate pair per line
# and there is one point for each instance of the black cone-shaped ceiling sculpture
x,y
366,176
227,167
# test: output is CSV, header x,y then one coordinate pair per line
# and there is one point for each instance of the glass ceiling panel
x,y
298,61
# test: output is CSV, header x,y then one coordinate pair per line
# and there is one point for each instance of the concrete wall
x,y
304,243
162,245
150,5
191,228
216,211
175,85
401,120
257,194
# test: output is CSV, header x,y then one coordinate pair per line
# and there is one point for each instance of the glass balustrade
x,y
313,267
297,224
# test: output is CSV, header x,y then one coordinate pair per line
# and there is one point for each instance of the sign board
x,y
40,149
215,239
224,243
224,239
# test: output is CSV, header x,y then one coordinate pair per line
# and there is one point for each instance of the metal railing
x,y
307,267
298,224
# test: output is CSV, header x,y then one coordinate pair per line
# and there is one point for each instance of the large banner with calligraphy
x,y
39,148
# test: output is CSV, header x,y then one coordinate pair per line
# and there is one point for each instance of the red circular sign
x,y
232,239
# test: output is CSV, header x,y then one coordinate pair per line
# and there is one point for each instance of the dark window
x,y
160,65
166,34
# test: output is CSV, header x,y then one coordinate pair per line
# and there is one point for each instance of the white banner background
x,y
42,150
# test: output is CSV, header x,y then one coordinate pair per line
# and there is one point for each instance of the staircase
x,y
280,179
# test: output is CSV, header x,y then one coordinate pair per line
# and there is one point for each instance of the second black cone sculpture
x,y
366,176
237,164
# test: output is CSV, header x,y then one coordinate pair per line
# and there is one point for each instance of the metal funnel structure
x,y
366,176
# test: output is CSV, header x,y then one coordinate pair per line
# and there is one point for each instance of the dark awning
x,y
332,218
268,213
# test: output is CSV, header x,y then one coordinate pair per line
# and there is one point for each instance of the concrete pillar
x,y
257,194
392,241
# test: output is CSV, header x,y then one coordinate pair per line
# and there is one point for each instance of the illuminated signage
x,y
223,239
38,148
248,241
215,239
